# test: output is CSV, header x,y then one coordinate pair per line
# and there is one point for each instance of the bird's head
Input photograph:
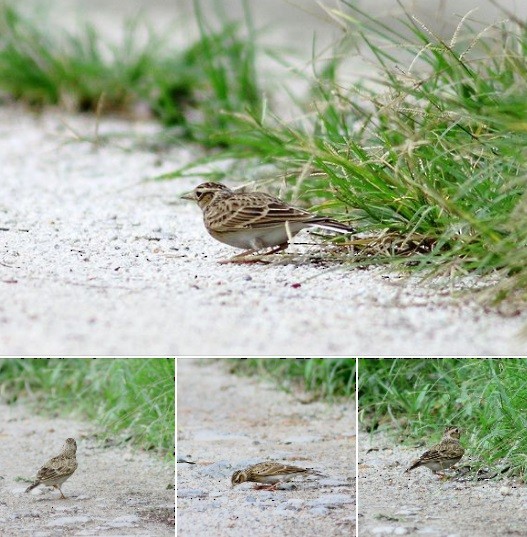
x,y
70,446
452,432
238,477
203,194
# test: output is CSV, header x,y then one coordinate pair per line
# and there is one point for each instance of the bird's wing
x,y
55,468
260,211
432,454
453,450
446,450
273,468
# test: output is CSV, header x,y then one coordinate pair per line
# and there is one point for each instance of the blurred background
x,y
290,22
324,378
130,399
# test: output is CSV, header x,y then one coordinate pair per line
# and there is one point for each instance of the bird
x,y
58,469
254,220
270,473
443,455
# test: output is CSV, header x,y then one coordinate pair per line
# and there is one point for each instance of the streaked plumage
x,y
443,455
254,220
58,469
269,473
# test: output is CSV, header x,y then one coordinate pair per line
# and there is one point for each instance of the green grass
x,y
328,378
132,397
195,89
416,398
426,158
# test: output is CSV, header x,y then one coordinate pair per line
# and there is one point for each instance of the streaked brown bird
x,y
254,220
443,455
269,473
58,469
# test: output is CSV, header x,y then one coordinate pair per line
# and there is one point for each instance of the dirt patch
x,y
115,490
226,423
391,502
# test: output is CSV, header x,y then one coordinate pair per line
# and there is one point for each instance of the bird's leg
x,y
278,248
241,258
267,487
260,258
60,490
248,257
245,257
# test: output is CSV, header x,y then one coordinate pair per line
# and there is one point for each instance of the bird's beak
x,y
189,196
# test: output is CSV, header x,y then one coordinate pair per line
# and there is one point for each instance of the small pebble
x,y
383,530
319,511
191,493
331,500
295,504
333,482
124,521
218,469
69,520
409,511
505,491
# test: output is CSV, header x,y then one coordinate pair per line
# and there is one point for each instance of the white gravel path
x,y
226,423
94,260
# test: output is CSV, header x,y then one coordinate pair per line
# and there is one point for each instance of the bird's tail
x,y
32,486
333,225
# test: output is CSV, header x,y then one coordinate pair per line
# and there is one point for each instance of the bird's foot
x,y
250,256
244,260
62,497
266,487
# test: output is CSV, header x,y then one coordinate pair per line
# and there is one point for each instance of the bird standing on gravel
x,y
270,473
254,220
58,469
443,455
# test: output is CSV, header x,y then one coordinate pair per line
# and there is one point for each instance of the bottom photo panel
x,y
87,446
442,447
266,447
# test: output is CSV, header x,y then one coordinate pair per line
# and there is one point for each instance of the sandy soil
x,y
391,502
226,423
114,491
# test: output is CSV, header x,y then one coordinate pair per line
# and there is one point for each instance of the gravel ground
x,y
103,497
226,423
95,260
392,502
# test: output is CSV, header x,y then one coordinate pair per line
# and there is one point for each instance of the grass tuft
x,y
197,88
426,157
123,395
326,377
